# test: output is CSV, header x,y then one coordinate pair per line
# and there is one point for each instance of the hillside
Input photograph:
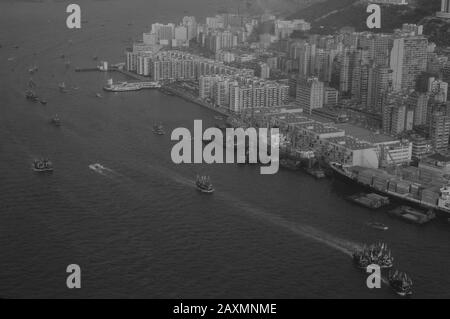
x,y
331,15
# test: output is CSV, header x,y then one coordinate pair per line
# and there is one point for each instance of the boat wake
x,y
345,246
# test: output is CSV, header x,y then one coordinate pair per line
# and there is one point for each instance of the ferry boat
x,y
401,283
133,86
42,165
158,129
377,254
352,174
204,185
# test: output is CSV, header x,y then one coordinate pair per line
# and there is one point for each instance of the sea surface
x,y
135,223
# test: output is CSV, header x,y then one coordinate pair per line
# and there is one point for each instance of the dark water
x,y
137,227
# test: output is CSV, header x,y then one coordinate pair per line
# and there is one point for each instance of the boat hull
x,y
206,191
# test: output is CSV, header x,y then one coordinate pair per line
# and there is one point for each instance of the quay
x,y
173,88
179,91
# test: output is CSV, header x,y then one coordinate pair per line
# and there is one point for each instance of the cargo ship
x,y
133,86
425,196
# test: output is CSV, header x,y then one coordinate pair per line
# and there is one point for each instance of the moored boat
x,y
413,215
437,200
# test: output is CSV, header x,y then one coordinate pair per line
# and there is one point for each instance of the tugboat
x,y
204,185
42,166
158,129
377,254
56,121
401,283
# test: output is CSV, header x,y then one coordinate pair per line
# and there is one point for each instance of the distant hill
x,y
331,15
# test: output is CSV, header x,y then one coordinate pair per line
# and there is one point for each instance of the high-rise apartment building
x,y
310,93
408,60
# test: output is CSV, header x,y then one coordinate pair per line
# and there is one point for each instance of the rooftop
x,y
319,128
364,134
350,142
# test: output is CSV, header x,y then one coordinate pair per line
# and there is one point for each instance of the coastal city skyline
x,y
222,153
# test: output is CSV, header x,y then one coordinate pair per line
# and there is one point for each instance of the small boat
x,y
204,185
219,118
401,283
379,226
30,95
56,121
158,129
33,69
43,102
62,87
98,95
42,165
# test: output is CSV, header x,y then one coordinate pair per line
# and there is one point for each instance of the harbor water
x,y
117,205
